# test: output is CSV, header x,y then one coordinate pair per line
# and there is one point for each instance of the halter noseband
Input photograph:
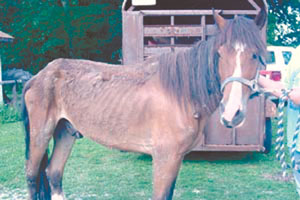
x,y
252,84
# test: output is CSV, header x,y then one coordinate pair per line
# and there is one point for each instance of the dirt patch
x,y
16,194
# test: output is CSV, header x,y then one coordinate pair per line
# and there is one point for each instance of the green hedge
x,y
9,114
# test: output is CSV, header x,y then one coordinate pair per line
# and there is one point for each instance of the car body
x,y
278,57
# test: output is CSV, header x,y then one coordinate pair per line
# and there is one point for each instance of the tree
x,y
284,22
46,30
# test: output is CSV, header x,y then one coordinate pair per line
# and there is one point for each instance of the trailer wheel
x,y
268,135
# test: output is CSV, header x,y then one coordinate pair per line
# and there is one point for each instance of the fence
x,y
3,96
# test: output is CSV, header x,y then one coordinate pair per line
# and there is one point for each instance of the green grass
x,y
94,172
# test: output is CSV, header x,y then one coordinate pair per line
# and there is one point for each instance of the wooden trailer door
x,y
176,21
248,137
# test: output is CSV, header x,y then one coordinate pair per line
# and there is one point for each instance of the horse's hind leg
x,y
165,171
63,142
37,158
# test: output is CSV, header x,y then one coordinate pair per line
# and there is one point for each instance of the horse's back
x,y
78,72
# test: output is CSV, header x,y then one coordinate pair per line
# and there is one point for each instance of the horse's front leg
x,y
165,170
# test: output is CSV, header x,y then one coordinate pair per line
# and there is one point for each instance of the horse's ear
x,y
220,21
261,18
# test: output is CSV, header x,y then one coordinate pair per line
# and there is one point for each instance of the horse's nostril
x,y
226,123
236,121
238,118
238,112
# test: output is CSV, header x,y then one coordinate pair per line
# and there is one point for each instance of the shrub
x,y
9,114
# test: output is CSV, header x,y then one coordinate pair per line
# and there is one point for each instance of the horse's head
x,y
240,55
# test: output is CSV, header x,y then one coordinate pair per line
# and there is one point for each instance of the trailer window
x,y
270,57
157,20
187,20
287,55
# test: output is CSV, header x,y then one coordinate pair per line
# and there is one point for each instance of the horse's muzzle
x,y
237,120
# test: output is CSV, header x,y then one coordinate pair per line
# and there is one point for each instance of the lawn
x,y
95,172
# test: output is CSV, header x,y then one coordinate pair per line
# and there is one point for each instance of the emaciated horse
x,y
158,107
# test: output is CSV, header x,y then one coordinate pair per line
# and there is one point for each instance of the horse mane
x,y
192,77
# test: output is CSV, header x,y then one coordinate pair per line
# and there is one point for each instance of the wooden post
x,y
4,37
1,93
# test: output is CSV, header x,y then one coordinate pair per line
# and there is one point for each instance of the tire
x,y
268,135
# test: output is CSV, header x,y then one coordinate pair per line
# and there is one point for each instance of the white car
x,y
277,59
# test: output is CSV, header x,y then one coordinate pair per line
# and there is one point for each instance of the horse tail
x,y
43,187
25,118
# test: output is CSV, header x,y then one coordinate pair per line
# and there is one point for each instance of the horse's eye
x,y
254,56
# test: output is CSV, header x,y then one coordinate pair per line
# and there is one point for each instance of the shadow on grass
x,y
224,157
216,157
206,156
144,157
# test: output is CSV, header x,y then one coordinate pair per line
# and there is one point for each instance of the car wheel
x,y
268,136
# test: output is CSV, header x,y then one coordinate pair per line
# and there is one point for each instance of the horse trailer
x,y
169,26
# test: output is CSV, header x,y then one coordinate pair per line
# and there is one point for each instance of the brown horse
x,y
158,107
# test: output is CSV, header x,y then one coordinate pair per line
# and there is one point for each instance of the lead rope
x,y
280,153
279,148
294,144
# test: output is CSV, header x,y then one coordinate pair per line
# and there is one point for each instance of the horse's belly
x,y
115,118
117,135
